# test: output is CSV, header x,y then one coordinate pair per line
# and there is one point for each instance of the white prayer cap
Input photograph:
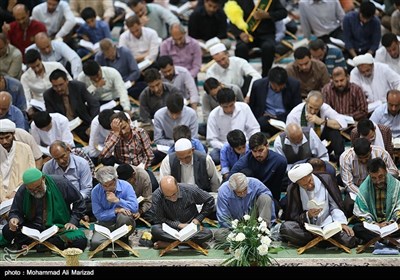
x,y
217,48
183,144
363,59
7,126
299,171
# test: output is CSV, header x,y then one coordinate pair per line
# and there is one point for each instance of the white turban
x,y
363,59
217,48
7,126
299,171
183,144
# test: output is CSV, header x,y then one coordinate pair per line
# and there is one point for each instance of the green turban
x,y
31,175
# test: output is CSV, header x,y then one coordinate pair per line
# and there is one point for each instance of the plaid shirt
x,y
380,204
386,136
133,151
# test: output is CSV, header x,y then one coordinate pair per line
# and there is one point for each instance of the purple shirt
x,y
189,56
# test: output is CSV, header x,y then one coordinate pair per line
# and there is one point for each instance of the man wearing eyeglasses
x,y
41,202
175,204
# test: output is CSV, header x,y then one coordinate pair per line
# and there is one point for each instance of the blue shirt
x,y
78,173
271,171
104,210
274,103
124,62
101,31
14,87
16,116
230,206
229,157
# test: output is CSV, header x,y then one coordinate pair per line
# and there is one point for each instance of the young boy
x,y
232,151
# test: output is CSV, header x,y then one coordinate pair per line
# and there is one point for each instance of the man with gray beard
x,y
41,202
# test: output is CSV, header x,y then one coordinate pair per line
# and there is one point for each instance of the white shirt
x,y
98,135
59,131
59,23
35,86
376,87
62,53
113,89
326,111
219,124
187,172
238,68
148,42
384,57
317,148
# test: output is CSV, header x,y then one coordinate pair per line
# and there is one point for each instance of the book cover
x,y
182,235
75,123
144,64
277,123
114,235
326,231
5,206
89,45
382,231
39,236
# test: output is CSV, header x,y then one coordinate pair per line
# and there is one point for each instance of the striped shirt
x,y
353,102
184,210
353,172
135,150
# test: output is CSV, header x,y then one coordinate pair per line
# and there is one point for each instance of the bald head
x,y
5,102
294,133
169,187
43,42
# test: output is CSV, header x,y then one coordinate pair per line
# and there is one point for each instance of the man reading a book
x,y
377,201
175,204
321,188
41,202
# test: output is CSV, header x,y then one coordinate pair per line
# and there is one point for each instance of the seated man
x,y
321,187
114,202
175,204
15,158
377,201
32,207
238,197
141,183
231,151
190,167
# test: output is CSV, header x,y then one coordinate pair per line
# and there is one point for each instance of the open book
x,y
313,204
349,119
382,231
182,235
396,143
326,231
163,148
109,105
113,236
40,236
89,45
181,9
5,206
209,43
277,123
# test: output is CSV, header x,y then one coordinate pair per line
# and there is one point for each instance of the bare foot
x,y
161,245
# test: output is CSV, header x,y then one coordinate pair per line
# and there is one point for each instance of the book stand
x,y
317,240
103,245
376,239
49,245
174,244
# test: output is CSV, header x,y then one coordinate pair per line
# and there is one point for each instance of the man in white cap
x,y
15,158
375,78
232,70
323,190
190,167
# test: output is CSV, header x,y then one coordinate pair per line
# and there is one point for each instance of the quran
x,y
114,235
40,236
313,204
182,235
326,231
382,231
5,206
